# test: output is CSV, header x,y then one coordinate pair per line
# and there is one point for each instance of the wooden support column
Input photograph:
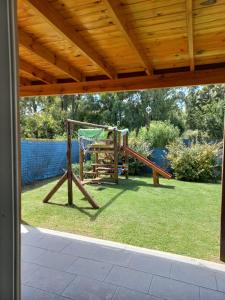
x,y
115,143
97,162
69,165
81,164
155,177
125,143
222,228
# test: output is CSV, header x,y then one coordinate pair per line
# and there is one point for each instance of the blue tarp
x,y
44,159
158,156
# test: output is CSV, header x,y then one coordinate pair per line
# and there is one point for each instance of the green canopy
x,y
97,133
92,134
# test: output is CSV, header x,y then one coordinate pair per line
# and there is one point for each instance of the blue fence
x,y
44,159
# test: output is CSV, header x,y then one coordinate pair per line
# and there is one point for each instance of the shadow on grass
x,y
39,184
131,184
87,210
134,184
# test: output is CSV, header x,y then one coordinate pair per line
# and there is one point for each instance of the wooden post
x,y
125,143
69,165
222,223
155,177
81,164
97,162
115,143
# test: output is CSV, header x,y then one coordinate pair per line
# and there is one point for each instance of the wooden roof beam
x,y
24,81
120,21
189,18
32,45
53,17
197,77
36,72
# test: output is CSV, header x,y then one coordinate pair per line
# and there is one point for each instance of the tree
x,y
195,108
205,109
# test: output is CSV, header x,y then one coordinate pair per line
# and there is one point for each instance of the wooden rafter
x,y
120,21
189,18
29,43
24,81
36,72
53,17
129,84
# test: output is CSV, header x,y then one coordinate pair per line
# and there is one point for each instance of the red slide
x,y
147,162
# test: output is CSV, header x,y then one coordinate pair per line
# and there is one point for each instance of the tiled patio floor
x,y
64,266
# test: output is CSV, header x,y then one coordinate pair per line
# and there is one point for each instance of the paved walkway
x,y
63,266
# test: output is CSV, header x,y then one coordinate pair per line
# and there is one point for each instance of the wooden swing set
x,y
107,153
69,176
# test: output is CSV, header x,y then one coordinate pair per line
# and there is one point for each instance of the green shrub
x,y
196,136
135,167
196,163
157,135
87,167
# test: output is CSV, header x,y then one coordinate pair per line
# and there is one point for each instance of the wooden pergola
x,y
86,46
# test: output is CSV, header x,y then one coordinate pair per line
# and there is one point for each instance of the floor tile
x,y
88,289
128,278
54,265
52,243
194,274
90,268
80,248
31,238
26,270
30,253
112,255
173,290
206,294
220,278
50,280
151,264
98,252
55,260
126,294
29,293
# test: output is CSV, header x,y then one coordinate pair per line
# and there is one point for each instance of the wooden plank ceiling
x,y
68,46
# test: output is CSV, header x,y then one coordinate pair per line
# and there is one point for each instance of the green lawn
x,y
179,217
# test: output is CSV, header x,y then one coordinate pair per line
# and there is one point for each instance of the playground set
x,y
109,147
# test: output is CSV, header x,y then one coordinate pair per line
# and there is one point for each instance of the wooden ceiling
x,y
79,46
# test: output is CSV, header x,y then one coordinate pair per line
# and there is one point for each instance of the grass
x,y
179,217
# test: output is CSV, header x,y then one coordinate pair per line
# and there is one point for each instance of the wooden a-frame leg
x,y
84,192
55,188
